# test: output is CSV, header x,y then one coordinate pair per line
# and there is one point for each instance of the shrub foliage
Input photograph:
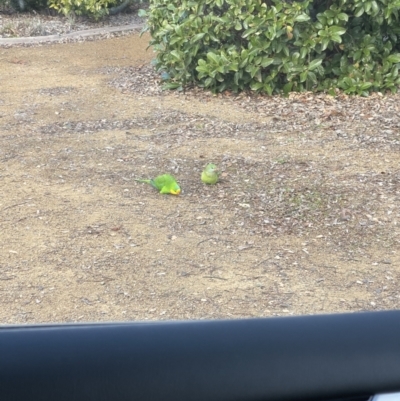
x,y
92,8
274,46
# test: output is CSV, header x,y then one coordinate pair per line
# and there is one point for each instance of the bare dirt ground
x,y
305,218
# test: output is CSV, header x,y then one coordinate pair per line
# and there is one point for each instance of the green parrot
x,y
210,174
165,183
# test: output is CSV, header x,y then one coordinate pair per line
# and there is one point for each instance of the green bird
x,y
165,183
210,174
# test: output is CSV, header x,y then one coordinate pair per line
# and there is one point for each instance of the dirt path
x,y
305,219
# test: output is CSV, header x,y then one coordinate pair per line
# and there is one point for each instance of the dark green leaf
x,y
171,85
336,38
266,61
314,64
213,57
302,18
255,86
337,30
197,37
176,54
394,58
359,11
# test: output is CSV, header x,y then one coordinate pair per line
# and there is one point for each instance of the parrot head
x,y
173,188
175,191
211,168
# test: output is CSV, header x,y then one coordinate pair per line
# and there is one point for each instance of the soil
x,y
304,220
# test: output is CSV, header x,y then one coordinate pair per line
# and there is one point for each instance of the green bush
x,y
274,46
92,8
